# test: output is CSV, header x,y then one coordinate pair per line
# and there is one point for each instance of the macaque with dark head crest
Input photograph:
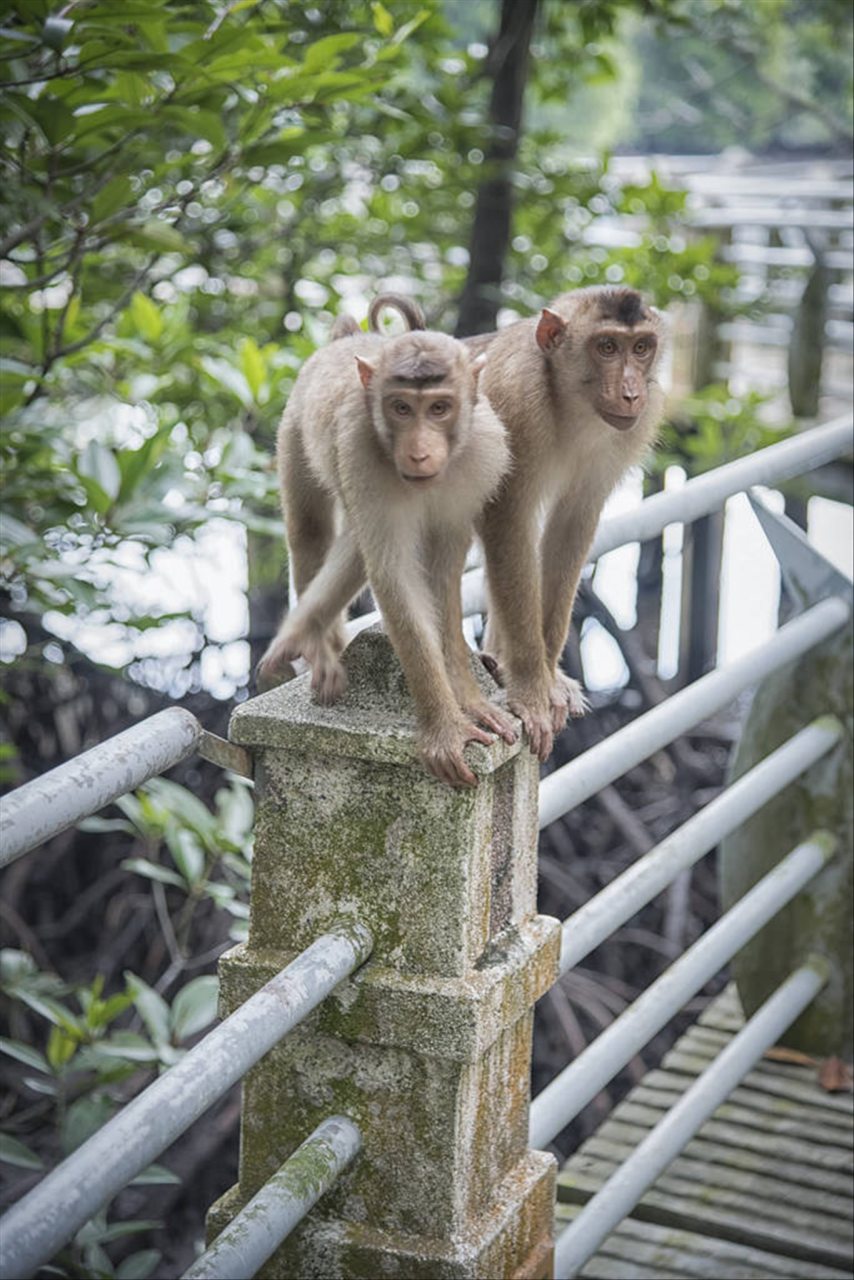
x,y
386,456
576,390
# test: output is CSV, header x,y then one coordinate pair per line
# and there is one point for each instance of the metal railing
x,y
45,1219
58,1206
566,1095
52,803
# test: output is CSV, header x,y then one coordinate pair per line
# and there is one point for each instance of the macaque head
x,y
421,391
612,340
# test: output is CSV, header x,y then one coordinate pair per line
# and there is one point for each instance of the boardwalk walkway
x,y
763,1191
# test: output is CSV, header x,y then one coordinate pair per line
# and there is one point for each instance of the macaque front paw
x,y
441,750
273,669
487,713
536,715
566,698
321,651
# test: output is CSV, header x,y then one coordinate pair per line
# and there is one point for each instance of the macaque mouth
x,y
622,421
423,480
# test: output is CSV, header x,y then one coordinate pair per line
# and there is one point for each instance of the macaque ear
x,y
551,329
477,365
366,371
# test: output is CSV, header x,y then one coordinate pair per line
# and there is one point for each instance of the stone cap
x,y
373,720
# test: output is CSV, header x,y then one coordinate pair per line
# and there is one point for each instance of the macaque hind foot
x,y
493,666
441,751
566,698
535,714
487,713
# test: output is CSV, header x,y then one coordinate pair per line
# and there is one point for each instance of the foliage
x,y
712,427
764,74
83,1072
88,1065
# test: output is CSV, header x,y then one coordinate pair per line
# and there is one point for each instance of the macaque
x,y
576,390
386,456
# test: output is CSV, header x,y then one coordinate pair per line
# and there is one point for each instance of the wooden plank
x,y
754,1182
800,1084
737,1157
726,1199
777,1146
757,1109
764,1190
798,1236
646,1251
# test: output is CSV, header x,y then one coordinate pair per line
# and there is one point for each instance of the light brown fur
x,y
550,384
386,456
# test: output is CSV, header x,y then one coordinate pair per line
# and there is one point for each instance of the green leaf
x,y
83,1118
138,1265
98,1232
146,317
13,1151
151,1006
24,1053
323,54
61,1047
383,21
154,872
53,1011
253,365
155,1175
98,463
194,1007
187,852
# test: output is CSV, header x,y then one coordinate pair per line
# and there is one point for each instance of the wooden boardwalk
x,y
765,1190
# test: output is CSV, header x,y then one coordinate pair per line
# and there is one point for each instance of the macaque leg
x,y
402,595
311,629
445,557
565,545
310,522
510,542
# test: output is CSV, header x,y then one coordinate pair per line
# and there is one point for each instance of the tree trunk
x,y
493,212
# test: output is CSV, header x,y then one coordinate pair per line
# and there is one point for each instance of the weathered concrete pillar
x,y
428,1048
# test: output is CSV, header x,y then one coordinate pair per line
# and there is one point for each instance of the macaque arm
x,y
512,561
313,628
445,555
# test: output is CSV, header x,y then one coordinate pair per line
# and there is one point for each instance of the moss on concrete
x,y
427,1049
819,919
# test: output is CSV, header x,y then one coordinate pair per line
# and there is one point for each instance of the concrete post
x,y
427,1048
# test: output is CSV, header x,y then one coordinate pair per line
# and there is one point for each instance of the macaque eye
x,y
400,407
643,347
607,347
440,408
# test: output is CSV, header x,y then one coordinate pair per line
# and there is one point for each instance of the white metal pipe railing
x,y
600,765
698,497
251,1237
651,1157
578,1083
586,928
49,804
44,1220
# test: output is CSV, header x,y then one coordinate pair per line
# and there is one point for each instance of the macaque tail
x,y
410,311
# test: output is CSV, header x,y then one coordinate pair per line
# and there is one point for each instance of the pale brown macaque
x,y
386,456
576,390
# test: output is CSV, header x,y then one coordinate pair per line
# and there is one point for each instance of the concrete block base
x,y
517,1224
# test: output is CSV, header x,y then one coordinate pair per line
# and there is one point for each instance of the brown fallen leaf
x,y
779,1053
835,1076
